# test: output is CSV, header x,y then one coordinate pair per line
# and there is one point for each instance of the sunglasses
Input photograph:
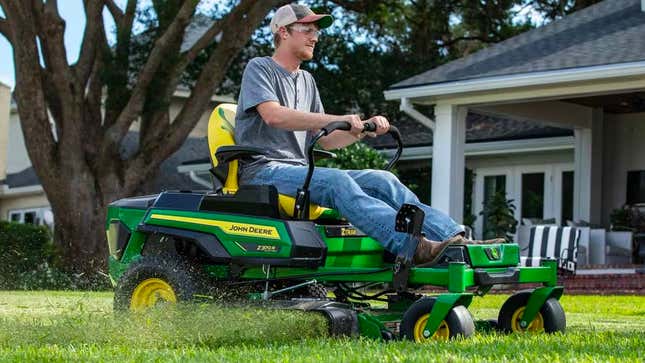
x,y
309,31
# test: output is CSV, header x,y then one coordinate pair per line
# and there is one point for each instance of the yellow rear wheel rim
x,y
442,333
151,292
536,326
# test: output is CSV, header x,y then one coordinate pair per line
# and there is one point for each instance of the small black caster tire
x,y
550,318
458,322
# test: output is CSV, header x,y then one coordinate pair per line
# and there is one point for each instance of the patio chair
x,y
556,242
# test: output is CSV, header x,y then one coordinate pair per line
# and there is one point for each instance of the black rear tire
x,y
550,319
458,322
165,272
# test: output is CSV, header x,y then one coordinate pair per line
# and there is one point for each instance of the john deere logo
x,y
493,253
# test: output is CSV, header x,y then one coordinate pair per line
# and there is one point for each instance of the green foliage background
x,y
24,248
357,156
28,261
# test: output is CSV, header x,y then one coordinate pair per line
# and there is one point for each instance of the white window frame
x,y
478,191
547,207
40,214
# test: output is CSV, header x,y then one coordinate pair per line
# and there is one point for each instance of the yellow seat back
x,y
221,126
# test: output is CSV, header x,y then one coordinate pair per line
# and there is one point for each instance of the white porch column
x,y
448,159
587,198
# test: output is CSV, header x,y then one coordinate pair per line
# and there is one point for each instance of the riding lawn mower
x,y
248,242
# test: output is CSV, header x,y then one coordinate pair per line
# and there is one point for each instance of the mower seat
x,y
221,125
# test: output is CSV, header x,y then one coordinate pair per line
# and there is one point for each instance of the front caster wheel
x,y
458,322
549,319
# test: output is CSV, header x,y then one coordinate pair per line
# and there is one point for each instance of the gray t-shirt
x,y
264,80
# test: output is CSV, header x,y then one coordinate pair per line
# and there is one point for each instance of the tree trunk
x,y
79,234
79,204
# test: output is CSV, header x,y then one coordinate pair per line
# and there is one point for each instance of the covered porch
x,y
603,105
585,72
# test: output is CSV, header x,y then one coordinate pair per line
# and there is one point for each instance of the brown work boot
x,y
461,240
428,252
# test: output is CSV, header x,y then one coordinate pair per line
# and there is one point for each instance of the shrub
x,y
23,247
357,156
28,262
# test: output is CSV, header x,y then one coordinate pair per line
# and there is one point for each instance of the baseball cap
x,y
296,13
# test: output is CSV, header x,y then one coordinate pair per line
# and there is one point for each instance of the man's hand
x,y
357,124
382,125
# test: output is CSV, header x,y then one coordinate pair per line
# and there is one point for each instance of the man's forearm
x,y
282,117
294,120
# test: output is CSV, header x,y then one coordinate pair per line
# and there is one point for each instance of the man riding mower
x,y
250,242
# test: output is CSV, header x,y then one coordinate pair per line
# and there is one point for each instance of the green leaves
x,y
23,247
499,217
357,156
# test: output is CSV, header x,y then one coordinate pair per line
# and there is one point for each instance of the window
x,y
15,216
37,216
30,218
494,184
533,195
567,197
636,187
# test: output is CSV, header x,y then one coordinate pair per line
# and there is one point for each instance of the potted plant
x,y
499,218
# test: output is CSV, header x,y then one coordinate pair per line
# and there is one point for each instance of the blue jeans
x,y
369,199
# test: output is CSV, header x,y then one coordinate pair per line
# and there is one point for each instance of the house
x,y
585,73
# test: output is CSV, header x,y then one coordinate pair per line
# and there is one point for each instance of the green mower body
x,y
250,242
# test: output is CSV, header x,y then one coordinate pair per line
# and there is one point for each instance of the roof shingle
x,y
610,32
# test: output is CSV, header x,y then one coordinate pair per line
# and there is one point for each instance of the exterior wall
x,y
624,150
36,200
17,157
5,103
201,128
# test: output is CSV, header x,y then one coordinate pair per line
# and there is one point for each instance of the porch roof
x,y
479,128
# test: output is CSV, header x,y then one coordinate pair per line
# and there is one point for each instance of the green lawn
x,y
64,326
